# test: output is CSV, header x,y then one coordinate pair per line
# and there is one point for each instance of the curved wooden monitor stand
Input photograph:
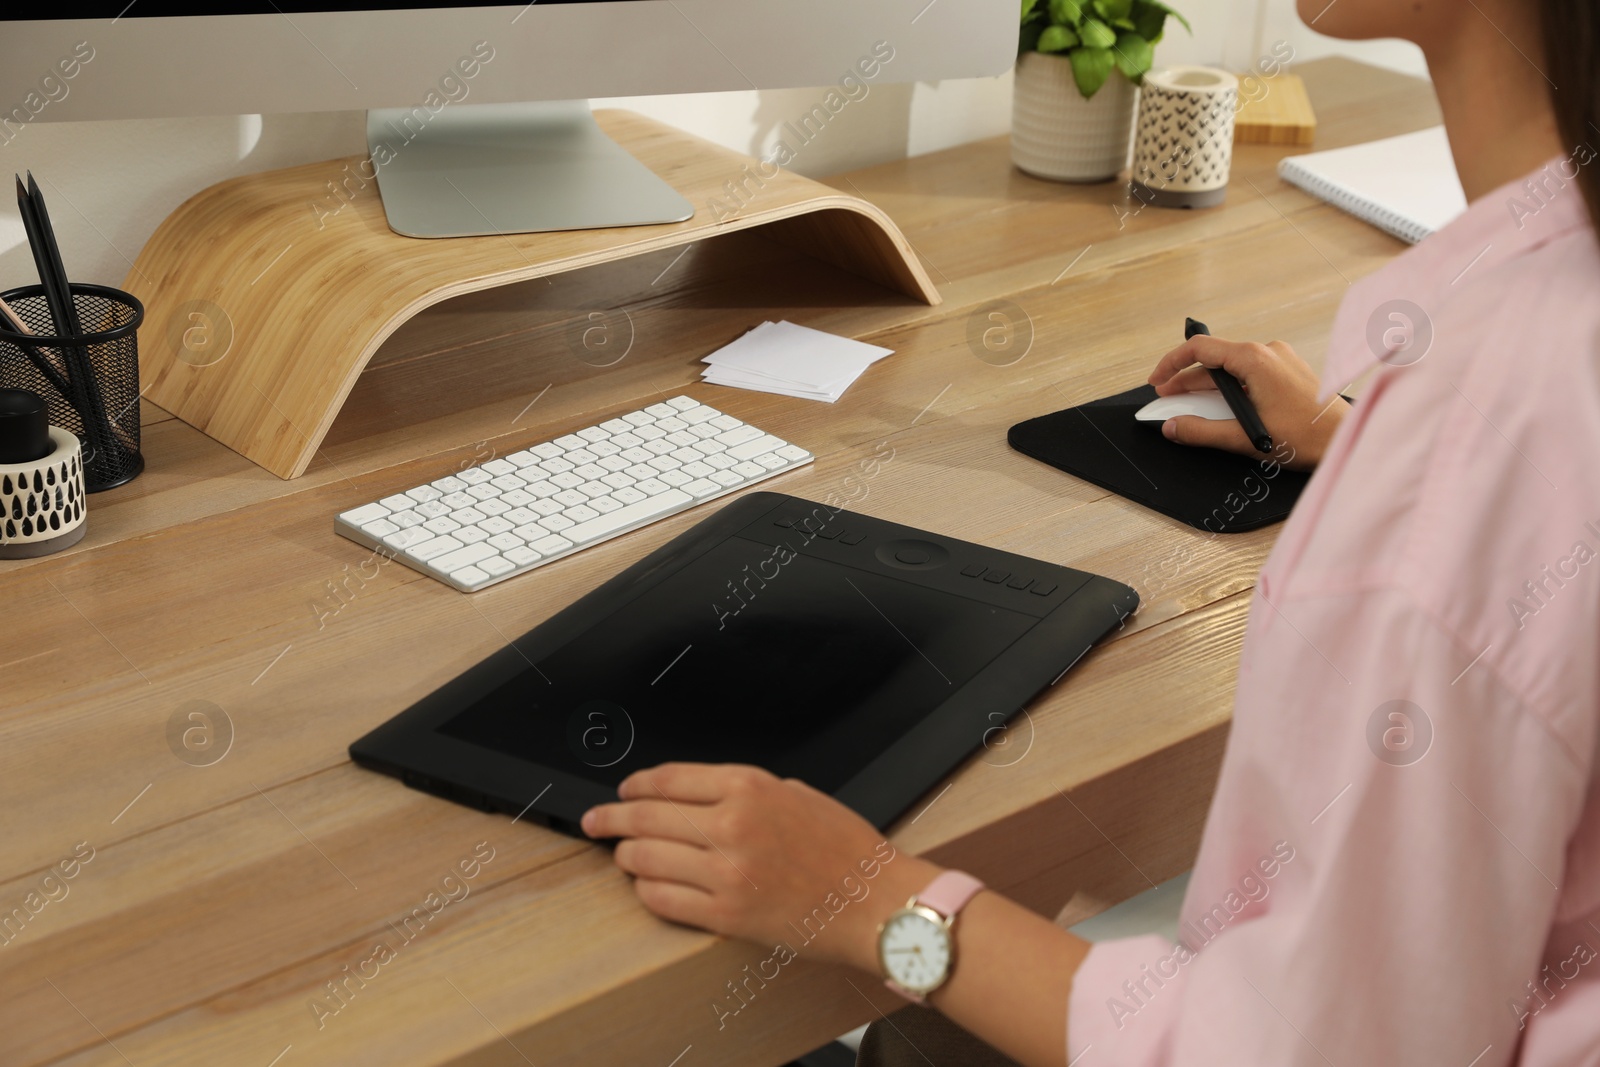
x,y
266,295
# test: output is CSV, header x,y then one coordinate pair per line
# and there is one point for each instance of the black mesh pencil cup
x,y
90,382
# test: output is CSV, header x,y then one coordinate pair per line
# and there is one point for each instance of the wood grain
x,y
265,368
222,899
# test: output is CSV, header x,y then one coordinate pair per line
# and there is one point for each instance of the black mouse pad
x,y
1101,442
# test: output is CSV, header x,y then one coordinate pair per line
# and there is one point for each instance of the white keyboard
x,y
488,523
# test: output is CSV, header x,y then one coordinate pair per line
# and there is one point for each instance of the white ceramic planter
x,y
1057,134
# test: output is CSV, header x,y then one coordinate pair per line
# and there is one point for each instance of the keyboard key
x,y
404,539
725,422
644,433
755,446
618,481
653,487
616,426
526,458
699,470
549,546
704,430
531,532
683,403
681,456
568,480
365,514
613,463
749,470
702,487
739,436
727,478
629,495
672,425
721,461
601,449
496,566
437,547
486,491
461,557
442,525
470,535
661,411
637,455
521,516
552,506
710,446
470,576
676,478
793,452
771,462
407,519
548,450
556,466
542,489
468,516
448,484
523,555
424,493
669,501
605,505
517,497
594,433
380,528
398,502
557,523
432,509
695,416
473,476
663,446
636,418
494,525
494,507
594,489
569,498
580,513
640,471
581,456
589,472
458,500
507,482
682,438
569,442
498,466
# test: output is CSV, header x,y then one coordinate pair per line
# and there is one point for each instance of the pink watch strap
x,y
949,893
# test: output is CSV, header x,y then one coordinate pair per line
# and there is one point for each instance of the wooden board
x,y
1274,110
266,295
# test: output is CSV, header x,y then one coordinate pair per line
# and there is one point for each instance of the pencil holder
x,y
90,383
1183,148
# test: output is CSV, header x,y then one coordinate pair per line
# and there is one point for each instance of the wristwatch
x,y
915,948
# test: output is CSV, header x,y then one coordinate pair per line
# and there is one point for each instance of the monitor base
x,y
477,169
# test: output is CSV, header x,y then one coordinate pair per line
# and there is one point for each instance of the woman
x,y
1401,864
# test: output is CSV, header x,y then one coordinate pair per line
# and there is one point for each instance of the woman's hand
x,y
1280,384
738,851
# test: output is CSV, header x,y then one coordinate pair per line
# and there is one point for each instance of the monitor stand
x,y
476,169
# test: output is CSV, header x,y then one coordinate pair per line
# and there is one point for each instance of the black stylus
x,y
1234,394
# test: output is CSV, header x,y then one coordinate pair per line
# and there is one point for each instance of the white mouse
x,y
1206,403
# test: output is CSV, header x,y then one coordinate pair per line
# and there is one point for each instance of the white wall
x,y
109,184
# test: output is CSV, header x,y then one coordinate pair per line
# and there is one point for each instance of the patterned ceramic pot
x,y
1184,147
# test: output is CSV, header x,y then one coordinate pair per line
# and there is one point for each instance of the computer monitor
x,y
478,120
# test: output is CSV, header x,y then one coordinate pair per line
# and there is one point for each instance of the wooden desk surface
x,y
222,901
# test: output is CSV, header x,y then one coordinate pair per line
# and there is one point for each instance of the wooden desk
x,y
222,900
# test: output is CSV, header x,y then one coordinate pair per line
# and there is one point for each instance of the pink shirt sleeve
x,y
1417,860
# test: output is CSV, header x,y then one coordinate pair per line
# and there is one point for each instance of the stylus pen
x,y
1234,394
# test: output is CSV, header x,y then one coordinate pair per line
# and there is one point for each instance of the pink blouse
x,y
1401,864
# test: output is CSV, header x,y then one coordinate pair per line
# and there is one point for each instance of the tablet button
x,y
913,554
828,533
973,570
996,576
1019,582
854,537
1043,590
785,523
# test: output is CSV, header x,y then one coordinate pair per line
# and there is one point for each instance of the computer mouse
x,y
1206,403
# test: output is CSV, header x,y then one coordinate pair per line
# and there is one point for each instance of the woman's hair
x,y
1572,57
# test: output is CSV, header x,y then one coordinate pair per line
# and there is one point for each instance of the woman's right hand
x,y
1282,386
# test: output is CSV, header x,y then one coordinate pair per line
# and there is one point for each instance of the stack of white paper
x,y
790,360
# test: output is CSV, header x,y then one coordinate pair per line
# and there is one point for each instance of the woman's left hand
x,y
738,851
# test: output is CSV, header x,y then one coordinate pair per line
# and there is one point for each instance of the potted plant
x,y
1079,63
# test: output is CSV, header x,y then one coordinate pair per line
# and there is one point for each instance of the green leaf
x,y
1150,18
1057,39
1027,8
1133,55
1028,39
1090,68
1066,12
1113,9
1125,24
1097,34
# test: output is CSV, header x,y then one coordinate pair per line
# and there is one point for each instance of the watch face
x,y
914,949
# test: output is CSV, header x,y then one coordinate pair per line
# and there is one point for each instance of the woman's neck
x,y
1494,98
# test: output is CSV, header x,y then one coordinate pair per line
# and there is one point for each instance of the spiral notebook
x,y
1405,185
